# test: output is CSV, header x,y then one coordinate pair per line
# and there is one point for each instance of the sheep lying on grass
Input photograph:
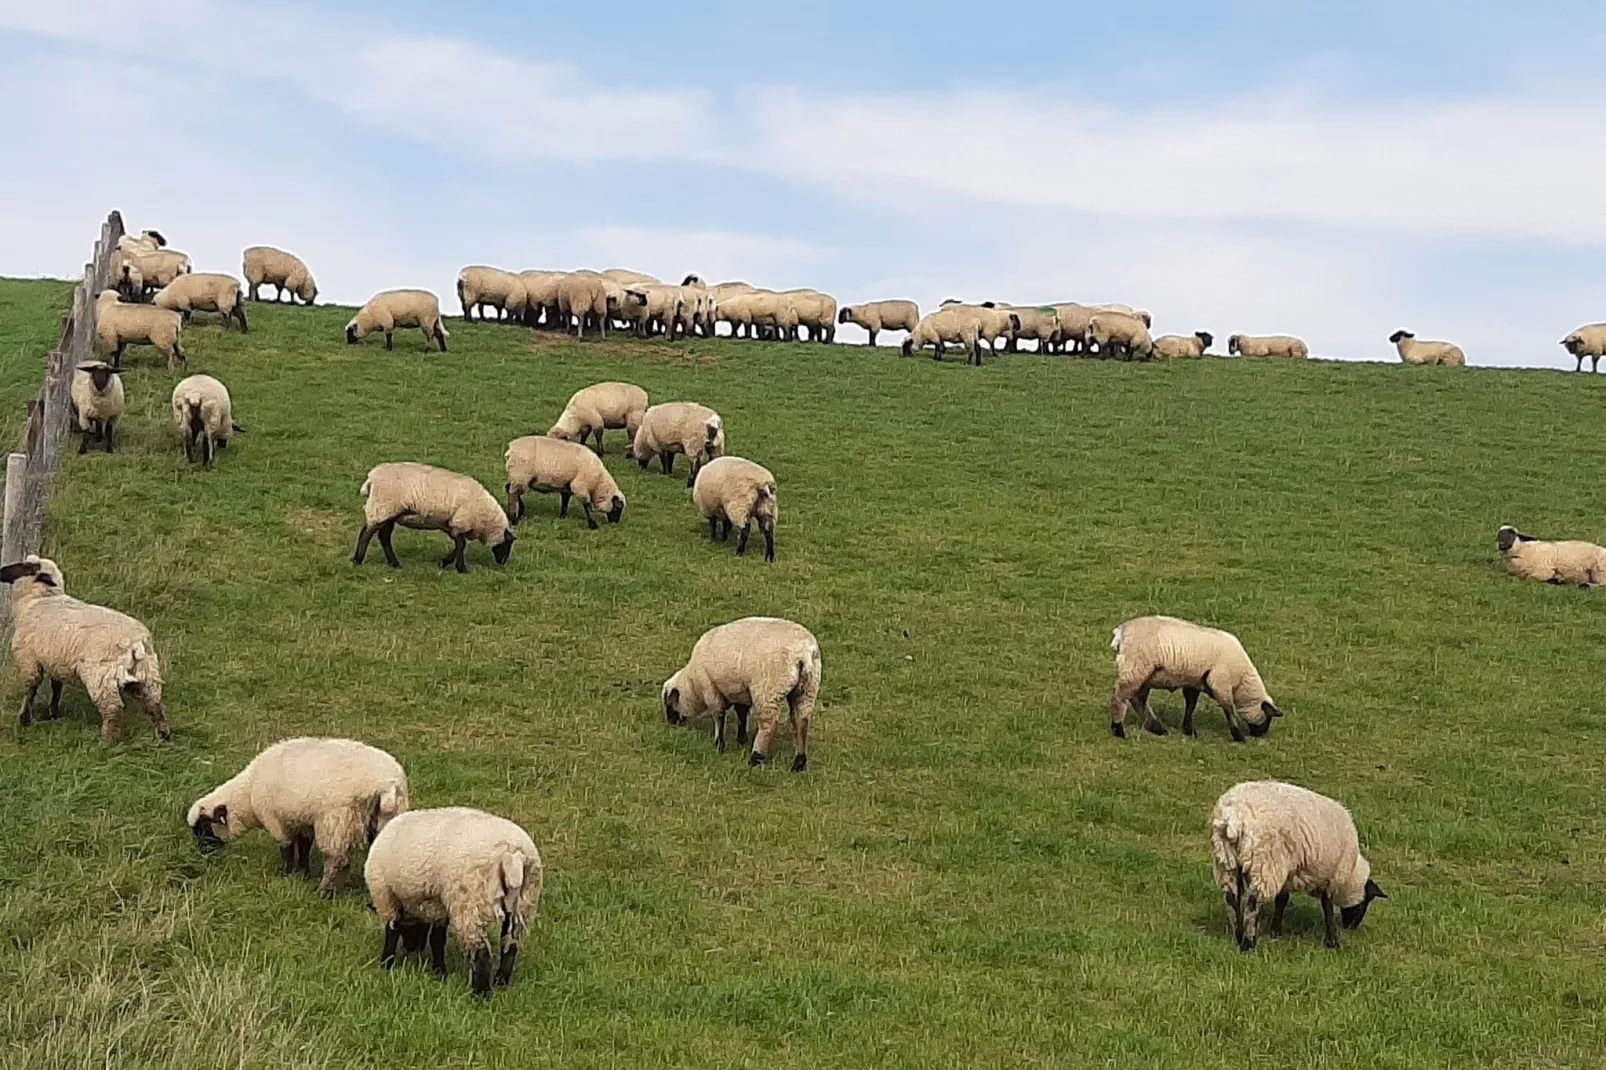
x,y
337,792
1167,653
1183,346
1414,351
427,498
1571,561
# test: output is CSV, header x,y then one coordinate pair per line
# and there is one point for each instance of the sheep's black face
x,y
1267,712
842,317
1205,338
1397,335
672,706
501,551
908,346
351,335
207,841
1351,917
617,509
1506,539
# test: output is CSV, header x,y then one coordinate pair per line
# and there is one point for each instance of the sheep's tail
x,y
1230,842
515,867
139,664
391,802
808,669
712,428
368,485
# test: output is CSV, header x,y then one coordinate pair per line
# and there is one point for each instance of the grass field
x,y
972,872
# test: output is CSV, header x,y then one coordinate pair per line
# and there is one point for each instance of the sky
x,y
1336,171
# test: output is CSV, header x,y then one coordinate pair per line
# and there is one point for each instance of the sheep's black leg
x,y
287,857
25,718
390,341
769,541
696,466
110,433
1251,920
364,537
55,700
1190,698
83,447
387,954
384,543
591,521
741,725
1151,723
437,949
741,543
563,503
480,971
1327,919
414,934
455,555
1278,905
667,460
713,528
510,959
719,730
1235,902
304,853
1232,724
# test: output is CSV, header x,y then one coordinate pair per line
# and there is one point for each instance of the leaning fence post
x,y
11,535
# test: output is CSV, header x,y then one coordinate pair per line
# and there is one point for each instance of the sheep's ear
x,y
1269,710
15,572
1373,891
220,816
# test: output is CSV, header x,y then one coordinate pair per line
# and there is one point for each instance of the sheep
x,y
1125,310
584,296
1271,345
1073,321
536,462
736,491
288,273
1167,653
679,427
652,306
148,241
540,296
159,268
753,664
949,325
696,311
1039,322
1587,341
759,312
1179,346
426,498
815,312
389,309
119,324
626,277
992,322
204,292
204,415
97,403
878,316
1116,332
605,406
1572,561
460,870
479,287
127,279
336,791
1269,839
57,635
1415,352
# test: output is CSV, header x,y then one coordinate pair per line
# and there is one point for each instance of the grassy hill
x,y
973,872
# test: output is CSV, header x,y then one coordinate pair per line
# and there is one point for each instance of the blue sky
x,y
1335,171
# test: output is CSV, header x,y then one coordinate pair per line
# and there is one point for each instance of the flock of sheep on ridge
x,y
458,870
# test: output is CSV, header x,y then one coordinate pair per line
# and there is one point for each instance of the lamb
x,y
536,462
107,651
1415,352
1167,653
878,316
204,292
97,403
756,663
389,309
949,325
736,491
204,415
679,427
336,791
1572,561
119,324
1269,839
584,296
459,870
1115,332
426,498
605,406
482,287
287,273
1180,346
1271,345
1587,341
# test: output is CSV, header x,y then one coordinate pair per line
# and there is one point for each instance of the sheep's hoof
x,y
756,760
1117,730
163,735
1331,943
1154,728
800,763
1247,946
25,719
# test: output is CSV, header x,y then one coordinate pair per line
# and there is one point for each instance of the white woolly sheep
x,y
1572,561
1183,346
992,322
1125,310
97,403
878,316
204,415
548,465
949,325
458,870
540,296
1587,341
147,241
488,287
626,277
203,292
679,427
583,296
1269,839
391,309
752,665
287,273
1172,654
119,324
1271,345
815,313
605,406
652,308
159,268
108,652
1413,351
1037,322
426,498
1116,332
734,491
337,792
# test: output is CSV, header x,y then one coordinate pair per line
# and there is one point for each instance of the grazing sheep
x,y
1271,345
949,325
1587,341
652,308
1269,839
1416,352
549,465
1073,319
605,406
336,791
878,316
1167,653
992,322
56,635
753,664
454,869
97,403
736,491
815,313
390,309
203,292
488,287
1181,346
760,313
679,427
119,324
583,296
426,498
1116,332
540,296
286,272
1573,561
1038,322
204,415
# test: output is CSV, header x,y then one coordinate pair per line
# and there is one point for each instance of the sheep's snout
x,y
618,510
